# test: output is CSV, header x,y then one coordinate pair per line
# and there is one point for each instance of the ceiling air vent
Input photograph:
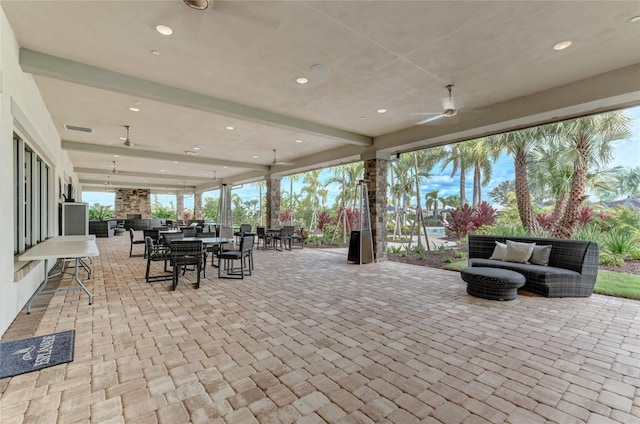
x,y
76,128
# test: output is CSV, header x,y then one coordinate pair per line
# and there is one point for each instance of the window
x,y
32,190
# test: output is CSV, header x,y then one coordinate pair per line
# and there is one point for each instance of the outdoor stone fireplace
x,y
132,201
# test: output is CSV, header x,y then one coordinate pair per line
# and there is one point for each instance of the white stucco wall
x,y
23,110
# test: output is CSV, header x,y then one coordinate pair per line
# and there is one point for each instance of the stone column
x,y
375,171
179,206
273,203
197,205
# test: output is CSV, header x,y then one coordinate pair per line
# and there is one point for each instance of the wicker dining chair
x,y
156,253
185,253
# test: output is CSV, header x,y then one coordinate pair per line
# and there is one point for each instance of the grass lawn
x,y
610,283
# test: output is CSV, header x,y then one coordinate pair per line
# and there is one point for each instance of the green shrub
x,y
421,251
99,212
448,260
607,258
590,232
621,242
459,254
506,230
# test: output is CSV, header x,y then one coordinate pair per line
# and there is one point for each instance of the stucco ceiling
x,y
236,64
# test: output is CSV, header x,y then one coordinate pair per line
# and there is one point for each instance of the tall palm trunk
x,y
463,182
576,195
527,217
476,185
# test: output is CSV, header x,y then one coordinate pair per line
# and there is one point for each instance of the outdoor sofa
x,y
571,270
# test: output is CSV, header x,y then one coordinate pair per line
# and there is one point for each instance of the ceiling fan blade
x,y
431,119
426,113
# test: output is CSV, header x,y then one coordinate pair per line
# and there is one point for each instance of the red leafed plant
x,y
484,214
545,220
467,219
285,216
586,213
461,221
324,218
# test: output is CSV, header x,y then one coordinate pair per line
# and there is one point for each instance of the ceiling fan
x,y
277,162
448,109
127,141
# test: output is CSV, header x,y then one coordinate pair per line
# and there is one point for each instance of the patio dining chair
x,y
285,237
185,253
132,235
244,254
267,238
156,253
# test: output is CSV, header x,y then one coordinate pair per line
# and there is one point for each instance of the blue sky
x,y
627,154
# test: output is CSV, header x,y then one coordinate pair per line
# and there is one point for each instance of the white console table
x,y
67,247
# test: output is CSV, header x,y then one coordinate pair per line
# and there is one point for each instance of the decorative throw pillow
x,y
518,252
499,251
540,255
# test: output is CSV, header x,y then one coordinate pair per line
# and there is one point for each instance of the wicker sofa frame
x,y
572,269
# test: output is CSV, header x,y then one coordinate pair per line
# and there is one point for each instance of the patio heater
x,y
225,218
361,241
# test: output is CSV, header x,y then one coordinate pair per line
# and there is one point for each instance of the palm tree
x,y
259,185
482,155
586,141
402,187
519,144
459,156
312,188
292,178
347,176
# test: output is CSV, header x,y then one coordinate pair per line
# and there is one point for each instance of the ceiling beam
x,y
79,73
139,174
133,184
152,154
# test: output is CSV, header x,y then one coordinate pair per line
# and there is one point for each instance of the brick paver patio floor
x,y
311,339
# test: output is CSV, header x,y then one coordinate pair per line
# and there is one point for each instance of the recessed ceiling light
x,y
155,52
164,30
298,141
635,19
381,110
562,45
196,148
123,138
116,156
225,167
302,80
255,156
134,109
230,128
175,161
162,170
362,117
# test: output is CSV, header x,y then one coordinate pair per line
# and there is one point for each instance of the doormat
x,y
33,354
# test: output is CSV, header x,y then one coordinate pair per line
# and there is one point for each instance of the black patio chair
x,y
156,253
267,238
285,237
132,234
185,253
244,254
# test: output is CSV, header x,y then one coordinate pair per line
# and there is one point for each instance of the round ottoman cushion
x,y
492,283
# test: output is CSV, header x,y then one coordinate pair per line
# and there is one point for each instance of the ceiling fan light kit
x,y
197,4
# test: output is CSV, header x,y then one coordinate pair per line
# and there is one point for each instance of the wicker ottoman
x,y
492,283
